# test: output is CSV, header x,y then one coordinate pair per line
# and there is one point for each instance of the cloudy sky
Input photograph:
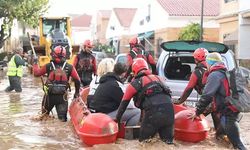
x,y
89,6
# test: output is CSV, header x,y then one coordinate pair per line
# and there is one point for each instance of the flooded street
x,y
18,130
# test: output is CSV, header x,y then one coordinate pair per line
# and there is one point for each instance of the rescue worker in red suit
x,y
197,81
216,90
198,77
58,73
136,51
85,63
153,98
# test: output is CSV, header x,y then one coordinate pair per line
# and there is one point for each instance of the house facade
x,y
102,21
81,28
18,36
156,21
234,20
119,28
164,19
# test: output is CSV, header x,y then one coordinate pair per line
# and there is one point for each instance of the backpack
x,y
140,54
155,87
85,63
58,80
240,96
201,73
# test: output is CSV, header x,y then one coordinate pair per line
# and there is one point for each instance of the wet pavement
x,y
19,130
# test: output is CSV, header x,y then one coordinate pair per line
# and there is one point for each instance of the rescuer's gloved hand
x,y
76,95
177,101
118,123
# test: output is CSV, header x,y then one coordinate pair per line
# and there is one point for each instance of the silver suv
x,y
176,63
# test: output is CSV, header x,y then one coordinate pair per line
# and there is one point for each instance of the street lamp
x,y
201,33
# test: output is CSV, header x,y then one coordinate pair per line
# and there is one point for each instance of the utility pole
x,y
202,7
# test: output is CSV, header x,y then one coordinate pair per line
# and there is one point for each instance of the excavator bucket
x,y
42,57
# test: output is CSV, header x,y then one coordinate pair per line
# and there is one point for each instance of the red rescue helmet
x,y
200,54
58,54
138,65
87,43
134,42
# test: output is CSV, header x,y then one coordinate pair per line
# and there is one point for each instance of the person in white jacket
x,y
106,65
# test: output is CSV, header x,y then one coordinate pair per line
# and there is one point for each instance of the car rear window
x,y
122,59
191,46
179,67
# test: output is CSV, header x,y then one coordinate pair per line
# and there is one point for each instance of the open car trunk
x,y
191,46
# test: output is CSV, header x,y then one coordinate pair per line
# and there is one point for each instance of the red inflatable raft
x,y
84,93
188,130
96,128
178,108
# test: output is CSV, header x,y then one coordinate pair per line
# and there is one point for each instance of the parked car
x,y
122,58
245,73
99,56
176,63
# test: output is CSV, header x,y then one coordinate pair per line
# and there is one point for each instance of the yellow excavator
x,y
54,31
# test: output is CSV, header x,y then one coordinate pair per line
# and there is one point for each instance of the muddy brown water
x,y
19,130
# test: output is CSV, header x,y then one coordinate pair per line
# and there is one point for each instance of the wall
x,y
13,41
118,29
80,34
244,32
230,7
102,24
227,28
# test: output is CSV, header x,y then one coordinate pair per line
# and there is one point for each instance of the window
x,y
148,18
179,68
51,24
142,22
149,13
227,1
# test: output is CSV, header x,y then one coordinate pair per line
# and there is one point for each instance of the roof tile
x,y
81,21
190,7
125,15
105,13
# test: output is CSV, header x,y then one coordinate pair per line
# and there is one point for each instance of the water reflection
x,y
15,105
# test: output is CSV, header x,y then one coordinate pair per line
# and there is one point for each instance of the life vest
x,y
150,89
201,72
85,62
138,53
58,79
13,70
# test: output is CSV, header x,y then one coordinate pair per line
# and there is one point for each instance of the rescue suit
x,y
85,64
216,89
137,52
58,73
197,81
153,98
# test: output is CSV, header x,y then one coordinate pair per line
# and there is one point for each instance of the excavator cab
x,y
54,31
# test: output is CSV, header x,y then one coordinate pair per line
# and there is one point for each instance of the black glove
x,y
118,123
177,101
35,60
76,95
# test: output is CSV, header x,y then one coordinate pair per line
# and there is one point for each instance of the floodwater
x,y
19,130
